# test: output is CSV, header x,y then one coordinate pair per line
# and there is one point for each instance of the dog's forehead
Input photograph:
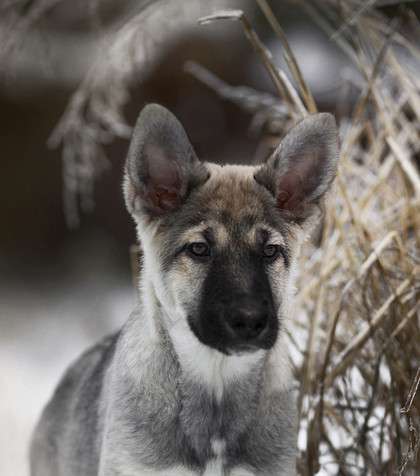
x,y
231,193
231,198
231,205
237,206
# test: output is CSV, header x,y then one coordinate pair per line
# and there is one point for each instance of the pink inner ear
x,y
289,195
282,197
165,200
164,181
296,184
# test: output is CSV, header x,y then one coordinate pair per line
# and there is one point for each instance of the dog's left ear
x,y
303,167
161,167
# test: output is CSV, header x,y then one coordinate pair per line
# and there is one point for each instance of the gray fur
x,y
141,402
169,420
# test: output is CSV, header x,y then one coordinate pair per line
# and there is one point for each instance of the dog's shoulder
x,y
83,375
88,369
71,417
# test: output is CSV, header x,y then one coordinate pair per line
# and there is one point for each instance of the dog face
x,y
220,242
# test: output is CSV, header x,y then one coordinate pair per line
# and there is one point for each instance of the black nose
x,y
247,322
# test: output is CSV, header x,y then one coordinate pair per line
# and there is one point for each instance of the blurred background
x,y
62,287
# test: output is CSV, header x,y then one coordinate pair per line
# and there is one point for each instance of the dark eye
x,y
271,251
200,249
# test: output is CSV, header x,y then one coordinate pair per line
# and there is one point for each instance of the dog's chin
x,y
240,350
233,350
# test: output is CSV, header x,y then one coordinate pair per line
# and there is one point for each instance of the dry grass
x,y
356,340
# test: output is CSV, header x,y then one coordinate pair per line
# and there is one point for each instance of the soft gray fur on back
x,y
197,382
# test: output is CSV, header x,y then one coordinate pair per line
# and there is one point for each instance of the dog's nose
x,y
247,322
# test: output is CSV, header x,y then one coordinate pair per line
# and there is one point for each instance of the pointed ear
x,y
161,167
303,167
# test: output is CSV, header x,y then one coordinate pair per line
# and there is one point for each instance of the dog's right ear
x,y
161,167
301,170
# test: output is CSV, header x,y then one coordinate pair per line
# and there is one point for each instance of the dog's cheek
x,y
277,276
185,281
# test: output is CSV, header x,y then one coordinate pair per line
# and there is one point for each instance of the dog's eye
x,y
199,249
271,251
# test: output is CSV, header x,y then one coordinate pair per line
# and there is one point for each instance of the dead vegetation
x,y
356,338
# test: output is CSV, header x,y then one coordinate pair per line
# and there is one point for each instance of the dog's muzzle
x,y
247,322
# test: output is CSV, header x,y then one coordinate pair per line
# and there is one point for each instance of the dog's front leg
x,y
241,472
146,471
245,472
114,467
124,461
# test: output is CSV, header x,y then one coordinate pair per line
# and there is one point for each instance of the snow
x,y
35,350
